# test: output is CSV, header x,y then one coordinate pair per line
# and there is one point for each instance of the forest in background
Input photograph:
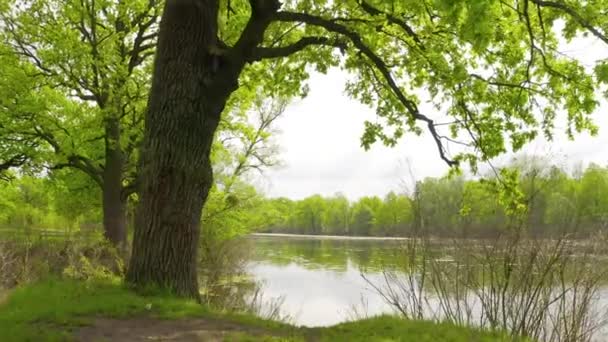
x,y
557,202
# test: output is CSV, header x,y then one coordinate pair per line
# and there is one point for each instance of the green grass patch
x,y
30,312
51,310
392,328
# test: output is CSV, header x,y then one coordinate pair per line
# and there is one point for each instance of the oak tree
x,y
83,66
492,67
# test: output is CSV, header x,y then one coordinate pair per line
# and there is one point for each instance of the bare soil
x,y
152,329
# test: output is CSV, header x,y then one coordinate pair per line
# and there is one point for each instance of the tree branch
x,y
393,20
284,51
262,13
83,164
14,161
574,14
76,161
357,41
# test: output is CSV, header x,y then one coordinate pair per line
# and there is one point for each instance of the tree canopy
x,y
493,69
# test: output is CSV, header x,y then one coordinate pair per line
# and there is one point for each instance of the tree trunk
x,y
113,203
184,108
114,217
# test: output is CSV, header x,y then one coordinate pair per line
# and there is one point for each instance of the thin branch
x,y
574,14
455,141
14,161
508,85
393,20
83,164
76,161
283,51
357,41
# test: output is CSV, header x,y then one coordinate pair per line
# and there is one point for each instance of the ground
x,y
181,330
106,310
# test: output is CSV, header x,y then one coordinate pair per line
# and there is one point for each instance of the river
x,y
319,280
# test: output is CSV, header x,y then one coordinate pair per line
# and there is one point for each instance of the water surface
x,y
320,279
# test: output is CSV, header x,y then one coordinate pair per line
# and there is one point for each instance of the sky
x,y
321,153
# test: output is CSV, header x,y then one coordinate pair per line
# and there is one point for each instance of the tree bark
x,y
187,98
113,202
114,217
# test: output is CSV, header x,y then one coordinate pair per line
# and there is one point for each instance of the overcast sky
x,y
321,152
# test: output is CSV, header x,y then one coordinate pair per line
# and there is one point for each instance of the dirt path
x,y
151,329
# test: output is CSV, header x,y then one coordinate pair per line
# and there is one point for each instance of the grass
x,y
392,328
70,304
51,310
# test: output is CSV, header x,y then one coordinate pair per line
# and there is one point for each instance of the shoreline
x,y
329,237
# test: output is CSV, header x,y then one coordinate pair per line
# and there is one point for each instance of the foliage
x,y
493,67
66,201
101,263
86,65
27,258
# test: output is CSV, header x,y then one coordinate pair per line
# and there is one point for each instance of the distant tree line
x,y
556,202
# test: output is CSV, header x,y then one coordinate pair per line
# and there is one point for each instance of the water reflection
x,y
317,297
327,254
320,279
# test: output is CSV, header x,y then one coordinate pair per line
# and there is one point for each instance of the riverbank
x,y
330,237
69,310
